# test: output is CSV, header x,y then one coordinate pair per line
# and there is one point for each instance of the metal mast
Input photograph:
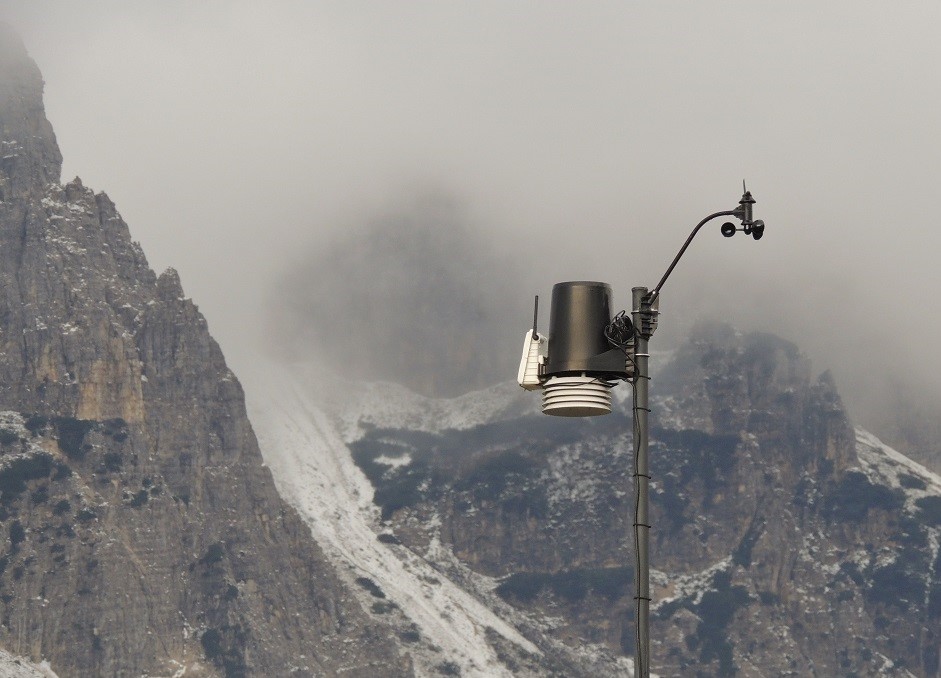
x,y
644,312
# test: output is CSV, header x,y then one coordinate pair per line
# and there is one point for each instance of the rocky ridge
x,y
785,542
142,532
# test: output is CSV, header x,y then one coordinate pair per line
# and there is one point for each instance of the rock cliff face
x,y
140,532
784,543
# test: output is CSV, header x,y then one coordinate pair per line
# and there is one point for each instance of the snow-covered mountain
x,y
448,617
143,535
495,539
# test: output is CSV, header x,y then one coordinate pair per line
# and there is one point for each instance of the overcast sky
x,y
240,139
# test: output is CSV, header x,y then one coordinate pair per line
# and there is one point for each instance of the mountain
x,y
141,532
785,542
384,533
445,614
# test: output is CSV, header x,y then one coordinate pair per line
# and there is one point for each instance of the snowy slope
x,y
12,666
354,404
315,473
305,419
884,465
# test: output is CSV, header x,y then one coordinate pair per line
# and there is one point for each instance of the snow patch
x,y
314,471
12,666
687,586
355,405
884,465
394,462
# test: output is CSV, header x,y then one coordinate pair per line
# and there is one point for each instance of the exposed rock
x,y
783,542
143,533
30,155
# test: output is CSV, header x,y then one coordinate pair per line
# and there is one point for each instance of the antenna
x,y
535,317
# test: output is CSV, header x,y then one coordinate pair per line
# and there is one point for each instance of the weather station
x,y
586,353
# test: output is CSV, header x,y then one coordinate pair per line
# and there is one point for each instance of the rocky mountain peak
x,y
169,287
29,154
726,383
140,532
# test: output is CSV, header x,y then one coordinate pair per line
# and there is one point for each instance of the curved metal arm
x,y
738,212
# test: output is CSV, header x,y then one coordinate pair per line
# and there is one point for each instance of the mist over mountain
x,y
418,296
593,141
370,530
140,531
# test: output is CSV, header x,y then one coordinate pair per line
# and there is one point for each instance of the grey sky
x,y
586,139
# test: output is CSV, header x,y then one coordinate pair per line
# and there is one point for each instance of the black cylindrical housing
x,y
579,313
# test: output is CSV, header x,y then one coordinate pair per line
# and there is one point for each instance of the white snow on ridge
x,y
314,471
885,464
12,666
391,405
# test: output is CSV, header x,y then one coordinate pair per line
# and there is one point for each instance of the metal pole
x,y
640,309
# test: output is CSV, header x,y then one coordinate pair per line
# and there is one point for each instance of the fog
x,y
247,145
417,297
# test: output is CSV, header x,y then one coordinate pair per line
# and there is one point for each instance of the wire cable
x,y
620,334
636,481
638,643
620,331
